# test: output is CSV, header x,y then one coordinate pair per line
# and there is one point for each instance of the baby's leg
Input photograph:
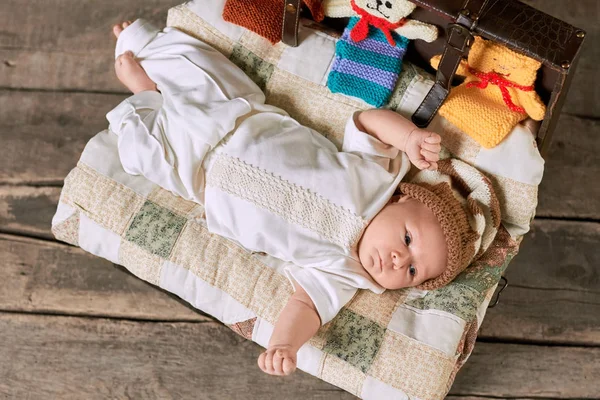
x,y
166,135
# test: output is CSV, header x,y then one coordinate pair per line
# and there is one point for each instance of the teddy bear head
x,y
390,10
488,56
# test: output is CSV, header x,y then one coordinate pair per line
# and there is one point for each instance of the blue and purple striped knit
x,y
367,69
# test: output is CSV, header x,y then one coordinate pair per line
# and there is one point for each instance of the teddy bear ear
x,y
403,7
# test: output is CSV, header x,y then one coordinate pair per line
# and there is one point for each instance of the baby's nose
x,y
400,259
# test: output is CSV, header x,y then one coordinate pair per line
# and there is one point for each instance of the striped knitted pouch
x,y
367,69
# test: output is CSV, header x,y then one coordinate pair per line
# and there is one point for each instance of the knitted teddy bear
x,y
497,93
264,17
369,54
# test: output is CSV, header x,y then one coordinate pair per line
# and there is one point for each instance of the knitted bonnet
x,y
465,204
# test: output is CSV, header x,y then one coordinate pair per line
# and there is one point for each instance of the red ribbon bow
x,y
498,79
361,29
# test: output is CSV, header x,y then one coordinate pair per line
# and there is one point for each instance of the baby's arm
x,y
297,323
422,147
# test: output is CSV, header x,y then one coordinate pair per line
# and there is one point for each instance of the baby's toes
x,y
117,29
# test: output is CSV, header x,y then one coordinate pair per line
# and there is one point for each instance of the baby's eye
x,y
407,239
412,270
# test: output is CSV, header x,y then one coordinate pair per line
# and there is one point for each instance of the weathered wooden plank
x,y
572,168
559,255
67,357
509,370
545,316
76,358
557,271
41,50
28,210
45,277
455,397
44,133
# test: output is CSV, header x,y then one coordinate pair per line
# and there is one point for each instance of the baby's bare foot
x,y
118,28
132,75
129,71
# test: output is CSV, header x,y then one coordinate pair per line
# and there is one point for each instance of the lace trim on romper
x,y
293,203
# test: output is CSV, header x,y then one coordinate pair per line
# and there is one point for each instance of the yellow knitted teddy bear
x,y
497,93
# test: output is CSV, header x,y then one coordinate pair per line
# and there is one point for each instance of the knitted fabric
x,y
264,17
465,204
497,94
367,69
361,29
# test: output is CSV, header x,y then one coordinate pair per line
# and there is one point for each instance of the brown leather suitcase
x,y
518,26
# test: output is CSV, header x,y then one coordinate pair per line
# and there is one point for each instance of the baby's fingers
x,y
278,359
421,164
261,362
430,155
433,147
433,166
289,366
433,138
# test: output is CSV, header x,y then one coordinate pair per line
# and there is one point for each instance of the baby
x,y
199,127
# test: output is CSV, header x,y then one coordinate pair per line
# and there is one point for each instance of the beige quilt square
x,y
316,108
186,21
68,230
342,374
262,48
106,202
517,203
417,369
139,262
227,266
377,307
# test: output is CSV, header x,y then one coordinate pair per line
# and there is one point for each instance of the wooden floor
x,y
73,326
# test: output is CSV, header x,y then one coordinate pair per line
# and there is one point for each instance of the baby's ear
x,y
397,197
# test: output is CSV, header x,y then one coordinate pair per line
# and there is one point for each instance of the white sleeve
x,y
330,288
365,145
133,122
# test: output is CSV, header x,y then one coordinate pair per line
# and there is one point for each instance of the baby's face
x,y
404,245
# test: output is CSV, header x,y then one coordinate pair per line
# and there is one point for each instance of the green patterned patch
x,y
155,229
255,67
463,296
480,279
454,298
354,339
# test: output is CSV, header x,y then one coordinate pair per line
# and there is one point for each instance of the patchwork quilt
x,y
402,344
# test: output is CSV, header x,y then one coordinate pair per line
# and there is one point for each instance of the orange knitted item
x,y
265,17
497,94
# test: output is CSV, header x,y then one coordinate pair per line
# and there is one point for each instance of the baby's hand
x,y
278,360
423,149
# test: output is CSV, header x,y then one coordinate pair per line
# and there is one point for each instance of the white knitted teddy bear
x,y
386,15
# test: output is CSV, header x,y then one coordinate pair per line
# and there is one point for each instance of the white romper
x,y
272,185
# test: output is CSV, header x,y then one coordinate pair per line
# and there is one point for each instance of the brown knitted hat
x,y
465,204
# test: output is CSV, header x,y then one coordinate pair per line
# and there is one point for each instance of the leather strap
x,y
291,16
459,39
